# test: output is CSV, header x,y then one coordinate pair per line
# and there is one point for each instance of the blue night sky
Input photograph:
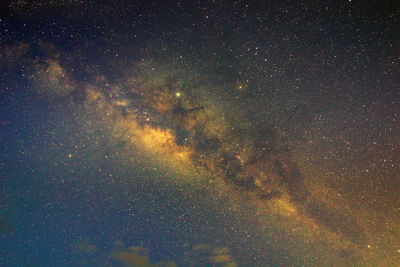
x,y
199,133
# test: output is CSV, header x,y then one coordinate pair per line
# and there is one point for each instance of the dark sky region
x,y
199,133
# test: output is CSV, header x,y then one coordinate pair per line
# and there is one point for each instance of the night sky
x,y
199,133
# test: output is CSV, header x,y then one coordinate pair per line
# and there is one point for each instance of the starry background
x,y
199,133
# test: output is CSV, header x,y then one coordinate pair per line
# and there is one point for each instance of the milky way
x,y
233,140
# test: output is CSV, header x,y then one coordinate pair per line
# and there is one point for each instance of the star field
x,y
199,133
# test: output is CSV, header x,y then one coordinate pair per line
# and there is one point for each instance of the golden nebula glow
x,y
197,163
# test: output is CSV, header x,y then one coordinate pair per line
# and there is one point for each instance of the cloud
x,y
220,258
208,254
84,246
133,256
137,256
